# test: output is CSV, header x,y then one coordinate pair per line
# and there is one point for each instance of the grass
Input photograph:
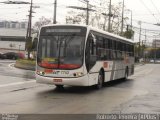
x,y
26,61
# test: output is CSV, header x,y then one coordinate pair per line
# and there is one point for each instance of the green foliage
x,y
26,61
128,34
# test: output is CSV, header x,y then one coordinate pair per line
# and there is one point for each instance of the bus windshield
x,y
61,51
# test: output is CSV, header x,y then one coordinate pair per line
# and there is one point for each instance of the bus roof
x,y
94,29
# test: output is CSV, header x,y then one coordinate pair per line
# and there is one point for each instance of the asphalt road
x,y
19,93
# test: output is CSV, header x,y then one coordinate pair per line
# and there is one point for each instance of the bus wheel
x,y
126,74
100,80
60,87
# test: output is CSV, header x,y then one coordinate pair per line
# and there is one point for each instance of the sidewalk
x,y
139,64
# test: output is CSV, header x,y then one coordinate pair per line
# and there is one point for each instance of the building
x,y
13,24
12,35
156,43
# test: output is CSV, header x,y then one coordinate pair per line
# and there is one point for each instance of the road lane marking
x,y
11,65
7,61
17,83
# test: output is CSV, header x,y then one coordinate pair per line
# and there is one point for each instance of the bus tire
x,y
59,87
126,74
100,82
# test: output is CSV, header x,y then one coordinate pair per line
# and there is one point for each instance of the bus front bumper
x,y
80,81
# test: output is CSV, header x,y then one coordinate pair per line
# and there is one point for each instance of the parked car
x,y
151,61
11,55
2,56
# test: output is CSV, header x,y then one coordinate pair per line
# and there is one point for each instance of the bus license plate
x,y
57,80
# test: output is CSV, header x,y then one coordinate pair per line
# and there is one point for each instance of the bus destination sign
x,y
49,30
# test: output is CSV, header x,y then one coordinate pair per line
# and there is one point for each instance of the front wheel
x,y
100,80
59,87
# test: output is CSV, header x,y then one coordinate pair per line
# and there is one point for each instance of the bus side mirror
x,y
94,39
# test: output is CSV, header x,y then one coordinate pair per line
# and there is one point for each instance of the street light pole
x,y
19,48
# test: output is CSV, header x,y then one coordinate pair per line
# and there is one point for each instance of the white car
x,y
151,61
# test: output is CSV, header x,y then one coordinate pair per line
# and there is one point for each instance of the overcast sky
x,y
145,10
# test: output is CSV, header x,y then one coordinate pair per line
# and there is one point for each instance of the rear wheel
x,y
100,80
126,74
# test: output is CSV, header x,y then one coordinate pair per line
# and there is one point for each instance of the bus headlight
x,y
40,73
78,74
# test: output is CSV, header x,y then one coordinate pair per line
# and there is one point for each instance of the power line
x,y
15,8
146,14
82,1
155,6
150,36
87,9
144,22
148,30
149,10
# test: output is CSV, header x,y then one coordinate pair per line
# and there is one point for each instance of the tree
x,y
98,18
42,21
128,34
75,17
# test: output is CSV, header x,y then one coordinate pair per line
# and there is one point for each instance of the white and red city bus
x,y
79,55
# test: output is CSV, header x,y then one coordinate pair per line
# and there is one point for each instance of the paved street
x,y
19,93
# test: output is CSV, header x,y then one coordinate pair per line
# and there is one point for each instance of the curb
x,y
24,66
139,64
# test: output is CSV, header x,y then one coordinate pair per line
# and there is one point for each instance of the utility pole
x,y
55,12
122,17
29,30
86,9
30,19
139,47
155,54
144,53
131,19
109,19
87,19
28,35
